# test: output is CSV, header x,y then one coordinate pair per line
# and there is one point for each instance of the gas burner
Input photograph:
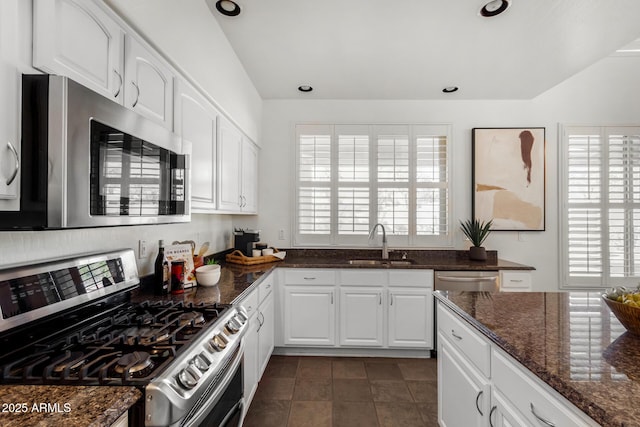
x,y
145,335
73,361
191,317
187,333
145,318
136,364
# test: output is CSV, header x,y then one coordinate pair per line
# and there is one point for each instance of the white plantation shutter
x,y
602,205
350,177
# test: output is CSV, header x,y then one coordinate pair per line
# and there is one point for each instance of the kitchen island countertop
x,y
570,340
71,406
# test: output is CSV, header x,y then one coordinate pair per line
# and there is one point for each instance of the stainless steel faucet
x,y
385,249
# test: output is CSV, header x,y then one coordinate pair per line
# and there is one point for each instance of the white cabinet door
x,y
229,165
148,85
503,414
9,107
79,40
267,337
195,121
250,367
463,393
249,186
410,317
309,315
361,316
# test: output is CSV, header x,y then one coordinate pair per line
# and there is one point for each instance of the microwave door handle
x,y
17,164
137,95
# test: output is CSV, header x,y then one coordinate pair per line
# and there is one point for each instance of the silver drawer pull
x,y
542,420
516,280
16,167
453,332
477,406
309,278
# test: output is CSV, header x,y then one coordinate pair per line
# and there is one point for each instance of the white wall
x,y
31,246
606,93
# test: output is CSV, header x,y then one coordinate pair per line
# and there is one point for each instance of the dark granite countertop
x,y
570,340
70,406
429,259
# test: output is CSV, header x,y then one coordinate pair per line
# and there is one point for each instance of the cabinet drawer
x,y
265,288
474,348
515,281
309,276
413,278
250,302
363,277
534,400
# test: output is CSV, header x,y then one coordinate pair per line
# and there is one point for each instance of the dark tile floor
x,y
345,391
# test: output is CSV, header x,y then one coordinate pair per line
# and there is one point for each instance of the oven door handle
x,y
206,406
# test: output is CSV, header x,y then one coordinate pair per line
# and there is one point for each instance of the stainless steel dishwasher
x,y
483,281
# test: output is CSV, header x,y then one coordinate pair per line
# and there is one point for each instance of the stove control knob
x,y
242,314
232,327
186,379
218,342
201,362
240,318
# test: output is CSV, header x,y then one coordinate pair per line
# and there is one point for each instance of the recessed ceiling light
x,y
450,89
494,8
305,88
228,7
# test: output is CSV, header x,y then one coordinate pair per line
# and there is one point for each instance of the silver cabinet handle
x,y
453,332
119,84
542,420
239,201
244,201
380,298
491,414
515,280
391,295
16,167
309,278
137,94
331,297
477,406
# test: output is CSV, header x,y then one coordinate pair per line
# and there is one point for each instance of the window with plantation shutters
x,y
350,177
601,194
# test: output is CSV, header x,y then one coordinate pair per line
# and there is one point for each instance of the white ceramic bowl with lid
x,y
208,275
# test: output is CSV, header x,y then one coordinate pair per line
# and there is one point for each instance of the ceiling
x,y
412,49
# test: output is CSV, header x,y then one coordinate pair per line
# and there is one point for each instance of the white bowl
x,y
208,275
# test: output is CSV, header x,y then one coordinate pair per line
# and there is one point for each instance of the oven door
x,y
222,405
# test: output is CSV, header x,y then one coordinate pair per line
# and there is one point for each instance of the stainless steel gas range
x,y
72,322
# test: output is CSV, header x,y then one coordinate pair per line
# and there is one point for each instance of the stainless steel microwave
x,y
90,162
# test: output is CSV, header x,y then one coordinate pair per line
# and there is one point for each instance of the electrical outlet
x,y
281,234
143,249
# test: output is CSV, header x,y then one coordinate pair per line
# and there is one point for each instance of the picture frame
x,y
509,177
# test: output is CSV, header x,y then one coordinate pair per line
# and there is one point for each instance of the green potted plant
x,y
476,232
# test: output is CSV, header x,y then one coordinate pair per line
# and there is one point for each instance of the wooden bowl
x,y
627,315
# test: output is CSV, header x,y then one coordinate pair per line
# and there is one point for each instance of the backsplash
x,y
30,246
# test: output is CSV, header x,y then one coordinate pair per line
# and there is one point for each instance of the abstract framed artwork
x,y
509,177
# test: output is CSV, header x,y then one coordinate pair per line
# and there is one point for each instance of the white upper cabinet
x,y
78,40
81,41
148,84
238,166
9,107
195,120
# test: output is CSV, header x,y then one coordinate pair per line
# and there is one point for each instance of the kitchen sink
x,y
380,262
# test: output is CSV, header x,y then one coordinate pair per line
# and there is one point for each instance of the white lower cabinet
x,y
410,317
374,308
309,315
259,338
463,392
361,316
469,384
